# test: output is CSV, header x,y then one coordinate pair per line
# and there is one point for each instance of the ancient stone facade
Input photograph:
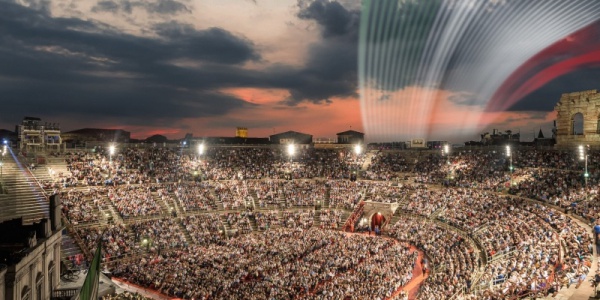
x,y
586,103
37,273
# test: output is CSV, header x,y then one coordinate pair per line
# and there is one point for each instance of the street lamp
x,y
146,242
111,152
446,151
291,150
509,154
583,155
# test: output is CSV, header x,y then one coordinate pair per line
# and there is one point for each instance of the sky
x,y
395,70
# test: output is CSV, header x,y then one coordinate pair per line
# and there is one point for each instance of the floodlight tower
x,y
583,155
509,155
291,151
446,151
200,153
111,152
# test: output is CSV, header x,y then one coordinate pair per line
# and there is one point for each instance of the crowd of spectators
x,y
298,218
267,220
204,229
238,221
528,246
278,264
80,206
330,218
133,201
196,196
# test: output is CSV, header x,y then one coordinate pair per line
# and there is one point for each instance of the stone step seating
x,y
42,175
24,197
69,248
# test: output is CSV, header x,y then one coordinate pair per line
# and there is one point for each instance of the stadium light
x,y
111,152
583,155
291,150
357,149
509,154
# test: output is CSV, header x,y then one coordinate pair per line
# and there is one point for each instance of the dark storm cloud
x,y
62,65
213,44
546,97
167,7
88,70
334,19
331,69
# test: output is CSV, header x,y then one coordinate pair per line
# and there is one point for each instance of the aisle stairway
x,y
187,235
317,219
69,248
253,223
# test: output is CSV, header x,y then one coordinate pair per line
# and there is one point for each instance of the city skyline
x,y
173,67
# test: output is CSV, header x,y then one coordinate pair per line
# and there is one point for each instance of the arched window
x,y
51,276
577,124
25,293
39,286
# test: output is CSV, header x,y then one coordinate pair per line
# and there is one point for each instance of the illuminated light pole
x,y
357,149
291,150
200,153
111,152
147,242
446,151
509,154
583,155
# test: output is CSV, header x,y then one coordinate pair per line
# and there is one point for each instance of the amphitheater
x,y
232,224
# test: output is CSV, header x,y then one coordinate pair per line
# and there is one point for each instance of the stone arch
x,y
377,219
51,274
26,293
39,286
577,123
